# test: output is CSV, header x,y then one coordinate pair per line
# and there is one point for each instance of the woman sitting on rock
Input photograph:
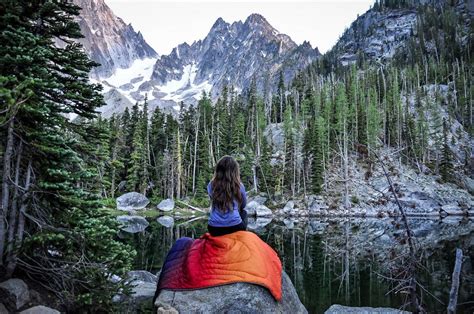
x,y
228,199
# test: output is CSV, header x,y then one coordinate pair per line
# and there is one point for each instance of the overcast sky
x,y
166,23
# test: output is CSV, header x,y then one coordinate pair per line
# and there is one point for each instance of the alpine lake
x,y
348,261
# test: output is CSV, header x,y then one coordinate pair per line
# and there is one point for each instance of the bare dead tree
x,y
453,294
412,259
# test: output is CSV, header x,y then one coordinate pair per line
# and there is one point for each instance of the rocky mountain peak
x,y
256,19
108,40
219,24
230,54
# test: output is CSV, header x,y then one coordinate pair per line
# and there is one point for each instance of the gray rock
x,y
260,199
275,135
114,278
289,223
263,211
166,205
141,275
143,285
116,102
126,87
469,184
40,309
336,309
385,238
289,207
136,80
132,201
452,209
166,221
133,224
419,202
251,208
317,227
142,292
232,298
14,294
257,224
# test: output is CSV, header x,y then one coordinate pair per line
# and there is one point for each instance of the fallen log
x,y
190,206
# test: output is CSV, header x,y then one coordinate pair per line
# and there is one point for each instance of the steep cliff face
x,y
108,40
231,54
375,35
384,31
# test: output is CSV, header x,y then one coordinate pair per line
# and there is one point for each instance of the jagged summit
x,y
230,54
219,24
256,19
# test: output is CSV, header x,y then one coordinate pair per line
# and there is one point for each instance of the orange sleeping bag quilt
x,y
212,261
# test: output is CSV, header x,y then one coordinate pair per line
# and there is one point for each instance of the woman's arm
x,y
209,189
244,197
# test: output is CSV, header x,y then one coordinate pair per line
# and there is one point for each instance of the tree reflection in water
x,y
341,260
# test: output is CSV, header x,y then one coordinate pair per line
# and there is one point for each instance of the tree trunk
x,y
21,222
195,154
453,294
6,186
14,208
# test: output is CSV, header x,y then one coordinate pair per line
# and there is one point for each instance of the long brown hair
x,y
226,184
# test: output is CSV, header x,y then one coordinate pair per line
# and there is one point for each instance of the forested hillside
x,y
419,104
324,135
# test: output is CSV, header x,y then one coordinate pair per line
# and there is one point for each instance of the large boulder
x,y
263,211
260,199
420,202
141,275
166,205
232,298
258,224
289,207
275,135
40,309
251,208
143,287
132,201
166,221
133,224
339,309
14,294
315,205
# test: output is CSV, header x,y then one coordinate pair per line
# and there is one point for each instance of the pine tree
x,y
317,168
116,145
203,150
41,85
373,121
446,166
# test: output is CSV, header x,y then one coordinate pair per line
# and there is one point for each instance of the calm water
x,y
345,261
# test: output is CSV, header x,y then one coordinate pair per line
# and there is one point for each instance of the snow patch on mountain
x,y
141,68
185,88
